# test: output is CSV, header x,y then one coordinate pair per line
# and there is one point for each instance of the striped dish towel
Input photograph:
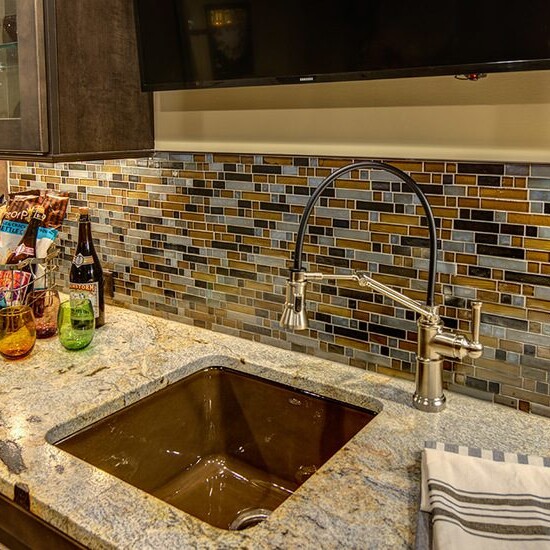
x,y
473,498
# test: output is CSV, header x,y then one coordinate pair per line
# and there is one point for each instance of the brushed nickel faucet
x,y
434,342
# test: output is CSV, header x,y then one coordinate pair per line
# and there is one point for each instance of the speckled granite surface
x,y
364,497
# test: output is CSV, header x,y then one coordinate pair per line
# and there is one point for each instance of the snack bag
x,y
17,217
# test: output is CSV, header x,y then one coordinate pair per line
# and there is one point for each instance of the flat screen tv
x,y
214,43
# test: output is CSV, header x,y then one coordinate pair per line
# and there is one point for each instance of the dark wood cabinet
x,y
69,81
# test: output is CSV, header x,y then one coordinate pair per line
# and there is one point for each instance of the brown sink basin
x,y
224,446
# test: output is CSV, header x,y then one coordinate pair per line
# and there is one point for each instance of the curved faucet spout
x,y
434,344
408,181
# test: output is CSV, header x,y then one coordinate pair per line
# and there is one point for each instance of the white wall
x,y
504,117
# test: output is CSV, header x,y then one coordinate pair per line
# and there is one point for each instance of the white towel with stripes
x,y
485,499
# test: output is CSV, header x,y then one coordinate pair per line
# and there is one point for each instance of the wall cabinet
x,y
69,81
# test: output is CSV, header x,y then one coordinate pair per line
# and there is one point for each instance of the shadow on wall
x,y
3,177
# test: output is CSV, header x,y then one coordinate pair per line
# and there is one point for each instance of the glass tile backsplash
x,y
207,239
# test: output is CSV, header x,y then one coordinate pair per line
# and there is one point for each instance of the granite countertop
x,y
364,497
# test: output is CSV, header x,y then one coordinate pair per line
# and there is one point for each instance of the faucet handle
x,y
476,320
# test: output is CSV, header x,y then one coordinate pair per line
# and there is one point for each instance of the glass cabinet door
x,y
22,77
9,62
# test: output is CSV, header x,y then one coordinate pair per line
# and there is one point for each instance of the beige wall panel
x,y
505,117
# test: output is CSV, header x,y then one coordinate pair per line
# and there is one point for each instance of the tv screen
x,y
209,43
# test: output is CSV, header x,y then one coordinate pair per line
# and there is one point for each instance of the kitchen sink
x,y
224,446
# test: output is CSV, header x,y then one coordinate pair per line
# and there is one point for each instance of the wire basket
x,y
12,292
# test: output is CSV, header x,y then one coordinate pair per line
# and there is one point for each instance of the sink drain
x,y
249,518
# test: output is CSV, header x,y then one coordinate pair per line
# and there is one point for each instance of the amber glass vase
x,y
17,331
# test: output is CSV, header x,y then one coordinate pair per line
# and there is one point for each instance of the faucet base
x,y
427,404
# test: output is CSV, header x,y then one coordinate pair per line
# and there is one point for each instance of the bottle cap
x,y
83,211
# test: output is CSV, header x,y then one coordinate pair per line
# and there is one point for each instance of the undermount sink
x,y
224,446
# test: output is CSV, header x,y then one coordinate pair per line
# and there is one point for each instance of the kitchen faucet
x,y
434,342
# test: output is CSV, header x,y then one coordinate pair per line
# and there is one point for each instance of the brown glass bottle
x,y
86,275
26,249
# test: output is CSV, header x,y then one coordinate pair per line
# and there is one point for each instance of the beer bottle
x,y
20,281
86,275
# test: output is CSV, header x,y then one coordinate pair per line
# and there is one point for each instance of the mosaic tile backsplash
x,y
207,239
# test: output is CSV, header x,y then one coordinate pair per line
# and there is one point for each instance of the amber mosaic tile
x,y
207,239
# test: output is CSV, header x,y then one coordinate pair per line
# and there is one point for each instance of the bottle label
x,y
23,249
86,290
80,260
